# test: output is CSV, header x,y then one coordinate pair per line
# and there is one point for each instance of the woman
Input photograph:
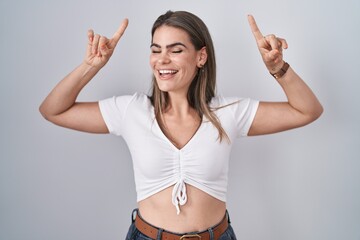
x,y
180,137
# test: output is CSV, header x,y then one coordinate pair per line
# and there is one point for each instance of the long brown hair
x,y
202,88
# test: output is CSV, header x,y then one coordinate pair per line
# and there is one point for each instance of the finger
x,y
254,28
103,49
270,56
274,43
274,54
117,35
103,41
95,44
283,43
90,35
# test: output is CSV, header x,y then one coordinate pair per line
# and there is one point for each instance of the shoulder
x,y
235,106
220,101
124,102
136,98
140,99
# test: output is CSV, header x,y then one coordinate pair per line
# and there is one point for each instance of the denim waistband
x,y
160,231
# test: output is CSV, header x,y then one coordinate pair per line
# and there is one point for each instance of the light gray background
x,y
61,184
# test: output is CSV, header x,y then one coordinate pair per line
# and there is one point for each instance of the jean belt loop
x,y
134,214
159,234
211,233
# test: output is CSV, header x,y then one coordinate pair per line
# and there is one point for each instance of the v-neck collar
x,y
163,135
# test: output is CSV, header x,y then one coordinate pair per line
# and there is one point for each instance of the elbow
x,y
316,113
320,111
44,112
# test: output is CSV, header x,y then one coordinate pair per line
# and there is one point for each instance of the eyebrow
x,y
168,46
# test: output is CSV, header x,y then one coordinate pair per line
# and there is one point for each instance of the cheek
x,y
191,63
152,61
191,68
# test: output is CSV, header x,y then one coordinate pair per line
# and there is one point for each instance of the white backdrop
x,y
61,184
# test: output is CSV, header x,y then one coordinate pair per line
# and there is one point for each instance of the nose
x,y
164,58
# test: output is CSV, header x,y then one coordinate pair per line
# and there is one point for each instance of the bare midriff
x,y
200,212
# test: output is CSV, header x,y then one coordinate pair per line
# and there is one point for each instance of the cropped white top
x,y
158,164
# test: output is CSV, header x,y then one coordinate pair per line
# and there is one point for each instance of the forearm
x,y
300,96
64,95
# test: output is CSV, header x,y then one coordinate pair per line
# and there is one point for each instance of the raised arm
x,y
302,106
60,106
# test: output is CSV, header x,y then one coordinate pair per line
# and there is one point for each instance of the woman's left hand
x,y
270,47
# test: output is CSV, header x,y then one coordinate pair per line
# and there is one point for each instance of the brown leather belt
x,y
152,232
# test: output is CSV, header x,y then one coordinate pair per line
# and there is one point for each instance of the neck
x,y
178,105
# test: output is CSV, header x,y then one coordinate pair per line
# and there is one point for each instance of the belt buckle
x,y
190,236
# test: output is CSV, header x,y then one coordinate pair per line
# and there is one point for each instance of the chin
x,y
164,87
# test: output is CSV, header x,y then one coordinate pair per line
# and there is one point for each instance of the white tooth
x,y
167,71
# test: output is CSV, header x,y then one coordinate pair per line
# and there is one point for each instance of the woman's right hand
x,y
100,48
60,106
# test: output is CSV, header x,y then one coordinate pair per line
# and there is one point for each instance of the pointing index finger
x,y
117,35
254,28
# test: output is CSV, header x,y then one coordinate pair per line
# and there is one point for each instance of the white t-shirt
x,y
158,164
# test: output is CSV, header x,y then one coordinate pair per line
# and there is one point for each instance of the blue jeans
x,y
135,234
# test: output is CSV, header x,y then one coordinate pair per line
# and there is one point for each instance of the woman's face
x,y
174,59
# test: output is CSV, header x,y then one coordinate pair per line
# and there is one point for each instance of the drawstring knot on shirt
x,y
179,196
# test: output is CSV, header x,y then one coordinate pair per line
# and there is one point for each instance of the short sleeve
x,y
244,111
113,111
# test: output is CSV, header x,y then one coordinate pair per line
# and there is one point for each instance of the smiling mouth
x,y
167,72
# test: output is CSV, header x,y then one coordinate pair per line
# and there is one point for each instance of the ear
x,y
202,57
